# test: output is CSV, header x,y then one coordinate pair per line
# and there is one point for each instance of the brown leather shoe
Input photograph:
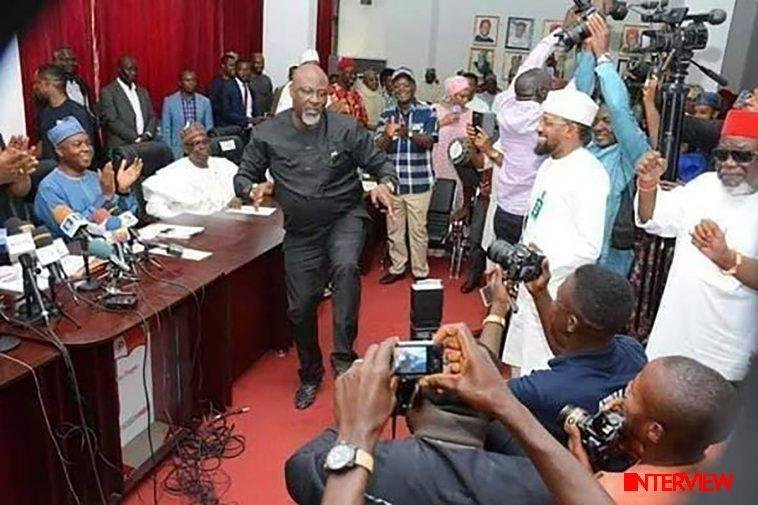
x,y
390,278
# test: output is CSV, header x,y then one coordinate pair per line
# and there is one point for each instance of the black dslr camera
x,y
519,262
575,34
601,434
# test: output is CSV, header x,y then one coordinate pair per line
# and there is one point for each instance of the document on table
x,y
187,252
250,210
169,231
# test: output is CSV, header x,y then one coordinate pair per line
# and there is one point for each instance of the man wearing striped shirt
x,y
407,132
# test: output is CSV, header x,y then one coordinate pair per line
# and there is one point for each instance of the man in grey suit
x,y
127,112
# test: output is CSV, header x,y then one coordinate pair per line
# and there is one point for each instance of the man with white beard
x,y
312,155
709,308
566,219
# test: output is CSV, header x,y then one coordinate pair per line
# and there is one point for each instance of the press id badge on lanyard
x,y
537,207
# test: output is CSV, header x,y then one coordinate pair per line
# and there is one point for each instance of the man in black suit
x,y
126,108
77,88
216,86
237,98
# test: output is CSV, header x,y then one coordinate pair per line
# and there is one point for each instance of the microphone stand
x,y
90,283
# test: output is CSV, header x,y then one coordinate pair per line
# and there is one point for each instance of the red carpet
x,y
273,428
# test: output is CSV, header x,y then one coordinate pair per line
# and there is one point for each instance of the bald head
x,y
694,403
533,85
310,92
127,69
259,63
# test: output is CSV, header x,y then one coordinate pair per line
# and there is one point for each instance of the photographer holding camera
x,y
582,326
673,410
618,142
442,462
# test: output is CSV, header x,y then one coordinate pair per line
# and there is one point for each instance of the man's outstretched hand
x,y
364,396
469,371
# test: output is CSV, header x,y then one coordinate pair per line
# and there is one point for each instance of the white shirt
x,y
183,188
247,97
74,92
285,99
566,222
131,95
478,105
704,314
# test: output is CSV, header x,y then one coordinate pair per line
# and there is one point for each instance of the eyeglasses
x,y
192,145
738,156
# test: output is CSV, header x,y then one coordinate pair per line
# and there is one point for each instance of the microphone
x,y
18,243
100,248
714,17
49,254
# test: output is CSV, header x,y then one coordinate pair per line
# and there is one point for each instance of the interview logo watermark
x,y
679,482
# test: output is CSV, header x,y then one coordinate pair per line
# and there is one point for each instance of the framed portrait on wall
x,y
481,60
549,25
511,62
485,30
631,38
520,33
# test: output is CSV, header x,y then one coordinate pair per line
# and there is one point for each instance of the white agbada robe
x,y
704,314
566,222
183,188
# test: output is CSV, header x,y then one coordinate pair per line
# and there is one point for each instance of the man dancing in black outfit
x,y
312,155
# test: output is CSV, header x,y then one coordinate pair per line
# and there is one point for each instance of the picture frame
x,y
519,34
479,54
486,30
511,62
549,25
631,39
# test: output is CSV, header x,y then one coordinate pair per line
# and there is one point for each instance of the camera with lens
x,y
672,36
576,33
519,262
412,360
601,434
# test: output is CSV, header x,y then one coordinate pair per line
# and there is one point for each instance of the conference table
x,y
205,322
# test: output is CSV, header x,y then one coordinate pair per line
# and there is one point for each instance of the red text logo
x,y
678,482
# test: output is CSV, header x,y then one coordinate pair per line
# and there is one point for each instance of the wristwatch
x,y
344,456
494,319
391,186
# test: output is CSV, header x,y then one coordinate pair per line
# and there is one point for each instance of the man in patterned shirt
x,y
408,132
345,99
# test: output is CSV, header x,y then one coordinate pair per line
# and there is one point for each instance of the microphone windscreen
x,y
42,236
112,223
121,235
99,248
61,212
12,225
99,216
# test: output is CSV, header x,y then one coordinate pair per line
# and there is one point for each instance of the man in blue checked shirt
x,y
618,139
407,133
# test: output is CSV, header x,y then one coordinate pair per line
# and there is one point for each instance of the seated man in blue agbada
x,y
618,139
73,186
582,325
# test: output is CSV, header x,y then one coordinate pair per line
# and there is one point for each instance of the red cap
x,y
741,123
346,64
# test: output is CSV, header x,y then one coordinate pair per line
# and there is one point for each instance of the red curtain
x,y
164,36
324,31
59,23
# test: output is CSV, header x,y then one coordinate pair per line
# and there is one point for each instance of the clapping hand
x,y
711,241
107,179
127,176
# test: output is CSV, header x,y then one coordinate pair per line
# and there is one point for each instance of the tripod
x,y
656,256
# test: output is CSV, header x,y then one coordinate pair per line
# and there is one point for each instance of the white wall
x,y
422,33
12,120
713,55
289,28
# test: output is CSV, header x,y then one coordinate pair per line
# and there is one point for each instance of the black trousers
x,y
311,260
508,226
477,260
